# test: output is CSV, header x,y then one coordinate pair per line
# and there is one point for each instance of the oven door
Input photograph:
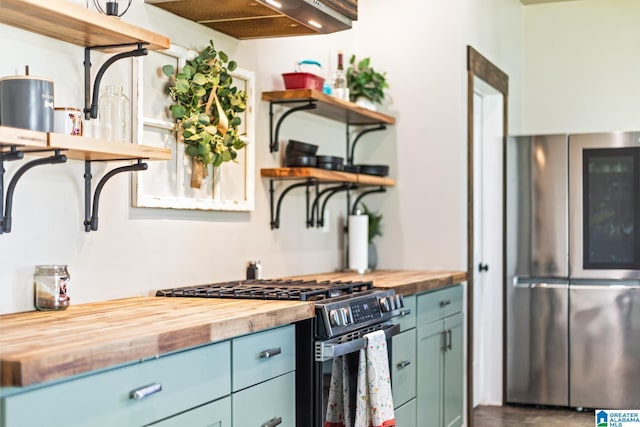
x,y
604,205
348,347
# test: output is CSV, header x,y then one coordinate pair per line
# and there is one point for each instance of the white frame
x,y
213,186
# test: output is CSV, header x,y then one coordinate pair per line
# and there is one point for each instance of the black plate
x,y
377,170
300,160
301,148
330,162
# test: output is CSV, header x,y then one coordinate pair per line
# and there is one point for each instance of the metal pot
x,y
26,102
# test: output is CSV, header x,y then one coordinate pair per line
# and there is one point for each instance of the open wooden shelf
x,y
75,24
330,107
78,147
323,175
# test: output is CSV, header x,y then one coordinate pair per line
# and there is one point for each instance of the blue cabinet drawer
x,y
214,414
436,305
263,355
403,367
187,379
269,403
406,416
407,318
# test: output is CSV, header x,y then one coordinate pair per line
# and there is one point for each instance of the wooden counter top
x,y
406,282
41,346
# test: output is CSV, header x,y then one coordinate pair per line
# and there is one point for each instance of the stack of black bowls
x,y
300,154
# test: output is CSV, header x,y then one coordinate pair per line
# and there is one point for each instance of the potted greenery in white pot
x,y
206,107
366,85
375,229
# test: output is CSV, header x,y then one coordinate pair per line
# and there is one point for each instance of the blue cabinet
x,y
214,414
440,352
133,395
264,383
218,385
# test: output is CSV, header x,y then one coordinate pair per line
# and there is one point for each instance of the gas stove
x,y
341,306
345,313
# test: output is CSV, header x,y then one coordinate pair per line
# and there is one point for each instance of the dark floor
x,y
514,416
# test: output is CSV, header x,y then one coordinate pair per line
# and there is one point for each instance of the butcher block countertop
x,y
36,347
406,282
41,346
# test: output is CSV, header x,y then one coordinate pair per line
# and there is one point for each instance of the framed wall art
x,y
228,187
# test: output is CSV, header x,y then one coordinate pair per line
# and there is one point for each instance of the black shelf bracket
x,y
5,223
91,208
274,144
354,209
320,209
351,147
275,212
311,220
91,101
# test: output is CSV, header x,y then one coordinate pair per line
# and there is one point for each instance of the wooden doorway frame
x,y
480,67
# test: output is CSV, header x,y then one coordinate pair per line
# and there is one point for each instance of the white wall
x,y
421,45
582,66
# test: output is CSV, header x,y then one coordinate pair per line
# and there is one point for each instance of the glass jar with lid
x,y
51,287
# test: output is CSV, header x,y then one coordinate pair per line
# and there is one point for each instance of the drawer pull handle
x,y
145,391
405,312
404,364
445,303
273,422
266,354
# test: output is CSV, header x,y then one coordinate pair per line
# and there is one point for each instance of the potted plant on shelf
x,y
206,104
375,229
366,86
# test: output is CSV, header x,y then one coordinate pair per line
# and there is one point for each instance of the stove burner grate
x,y
298,290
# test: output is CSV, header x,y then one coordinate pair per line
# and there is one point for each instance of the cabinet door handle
x,y
266,354
145,391
273,422
445,303
404,364
449,346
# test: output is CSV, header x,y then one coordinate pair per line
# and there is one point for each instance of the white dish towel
x,y
374,402
339,406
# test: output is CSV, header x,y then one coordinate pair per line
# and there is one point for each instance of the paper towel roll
x,y
358,242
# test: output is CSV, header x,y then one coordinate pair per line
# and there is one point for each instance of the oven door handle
x,y
326,350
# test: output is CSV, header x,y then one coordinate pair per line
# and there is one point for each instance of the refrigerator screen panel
x,y
611,208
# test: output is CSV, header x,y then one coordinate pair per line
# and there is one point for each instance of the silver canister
x,y
51,287
26,102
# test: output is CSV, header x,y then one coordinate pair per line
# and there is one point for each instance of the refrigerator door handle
x,y
605,287
549,285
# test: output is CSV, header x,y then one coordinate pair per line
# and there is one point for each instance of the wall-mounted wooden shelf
x,y
57,148
75,24
323,175
78,147
330,107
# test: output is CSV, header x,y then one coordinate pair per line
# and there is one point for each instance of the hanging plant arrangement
x,y
206,107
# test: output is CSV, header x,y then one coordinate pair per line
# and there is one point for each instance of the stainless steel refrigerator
x,y
573,270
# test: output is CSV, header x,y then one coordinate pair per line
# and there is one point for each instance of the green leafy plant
x,y
375,220
206,104
365,81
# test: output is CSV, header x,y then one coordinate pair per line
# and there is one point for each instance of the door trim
x,y
480,67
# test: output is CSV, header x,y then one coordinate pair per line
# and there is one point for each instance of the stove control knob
x,y
336,318
385,304
399,301
344,316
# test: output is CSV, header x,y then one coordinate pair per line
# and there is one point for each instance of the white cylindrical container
x,y
114,114
358,243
